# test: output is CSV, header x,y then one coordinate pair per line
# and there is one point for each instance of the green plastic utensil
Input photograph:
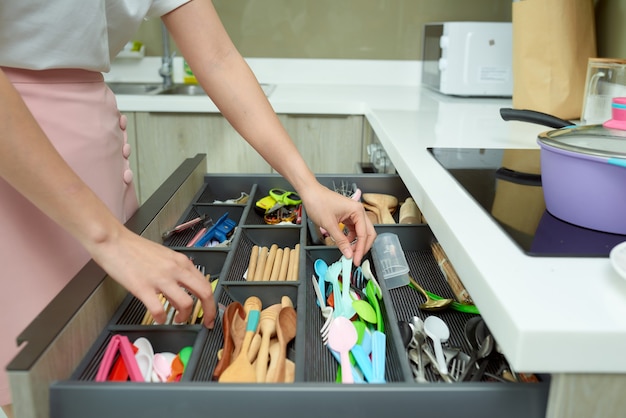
x,y
370,292
365,311
185,354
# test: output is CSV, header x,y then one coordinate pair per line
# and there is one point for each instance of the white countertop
x,y
553,315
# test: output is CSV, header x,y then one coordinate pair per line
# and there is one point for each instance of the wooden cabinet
x,y
328,143
164,140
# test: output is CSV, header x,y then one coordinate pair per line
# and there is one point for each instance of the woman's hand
x,y
327,209
147,268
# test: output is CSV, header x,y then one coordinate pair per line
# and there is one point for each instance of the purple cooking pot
x,y
583,171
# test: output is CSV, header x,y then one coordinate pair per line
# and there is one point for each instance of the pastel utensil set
x,y
353,330
138,362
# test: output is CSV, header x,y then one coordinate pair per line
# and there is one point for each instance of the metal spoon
x,y
430,304
483,351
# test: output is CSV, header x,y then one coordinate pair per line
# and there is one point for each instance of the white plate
x,y
618,259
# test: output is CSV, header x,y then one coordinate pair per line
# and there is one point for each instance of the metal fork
x,y
457,368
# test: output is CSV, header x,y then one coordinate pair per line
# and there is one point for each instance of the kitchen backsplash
x,y
364,29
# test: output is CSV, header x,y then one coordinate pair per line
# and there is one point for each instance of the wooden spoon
x,y
238,328
274,353
373,213
232,310
385,203
238,332
285,331
241,370
267,327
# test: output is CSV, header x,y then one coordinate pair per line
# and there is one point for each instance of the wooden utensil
x,y
255,345
241,370
238,332
267,328
460,293
409,212
285,331
269,263
282,275
295,261
372,212
238,328
274,351
232,310
260,265
286,301
278,260
385,203
254,257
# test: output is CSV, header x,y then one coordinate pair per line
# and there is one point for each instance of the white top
x,y
80,34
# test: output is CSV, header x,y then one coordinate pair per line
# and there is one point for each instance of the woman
x,y
66,188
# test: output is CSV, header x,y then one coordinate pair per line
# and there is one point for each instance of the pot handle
x,y
533,116
518,177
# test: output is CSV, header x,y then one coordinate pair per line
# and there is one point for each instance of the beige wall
x,y
365,29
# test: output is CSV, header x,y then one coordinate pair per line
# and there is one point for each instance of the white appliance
x,y
468,58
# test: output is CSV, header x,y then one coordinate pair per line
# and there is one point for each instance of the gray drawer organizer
x,y
314,392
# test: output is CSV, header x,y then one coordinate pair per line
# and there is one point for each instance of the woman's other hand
x,y
147,268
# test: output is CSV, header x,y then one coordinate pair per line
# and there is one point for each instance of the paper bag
x,y
552,42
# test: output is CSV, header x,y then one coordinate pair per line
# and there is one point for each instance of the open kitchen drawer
x,y
54,373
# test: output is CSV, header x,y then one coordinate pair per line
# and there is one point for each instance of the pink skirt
x,y
79,114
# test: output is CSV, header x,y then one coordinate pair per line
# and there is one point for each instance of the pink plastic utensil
x,y
341,338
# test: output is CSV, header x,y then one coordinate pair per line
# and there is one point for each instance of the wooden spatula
x,y
241,370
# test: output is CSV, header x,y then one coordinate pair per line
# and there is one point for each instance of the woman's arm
x,y
227,78
30,163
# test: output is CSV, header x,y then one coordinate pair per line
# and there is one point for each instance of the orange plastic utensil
x,y
118,371
177,370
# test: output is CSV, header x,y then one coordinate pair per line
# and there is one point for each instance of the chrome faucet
x,y
167,61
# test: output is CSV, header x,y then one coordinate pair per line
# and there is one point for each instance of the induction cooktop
x,y
506,183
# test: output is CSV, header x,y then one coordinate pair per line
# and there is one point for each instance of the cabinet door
x,y
329,143
165,140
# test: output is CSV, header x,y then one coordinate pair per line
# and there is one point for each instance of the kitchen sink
x,y
152,89
136,88
184,90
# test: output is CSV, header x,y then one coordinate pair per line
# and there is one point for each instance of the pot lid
x,y
588,139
